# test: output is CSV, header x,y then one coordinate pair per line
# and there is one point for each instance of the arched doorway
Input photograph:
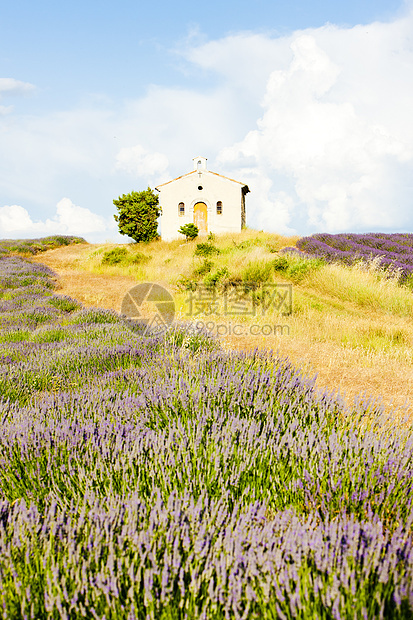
x,y
201,217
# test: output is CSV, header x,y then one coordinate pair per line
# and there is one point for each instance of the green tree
x,y
189,230
138,214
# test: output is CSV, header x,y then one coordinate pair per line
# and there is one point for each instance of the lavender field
x,y
395,251
35,246
162,478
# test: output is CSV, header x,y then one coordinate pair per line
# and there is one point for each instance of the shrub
x,y
189,230
121,256
298,271
186,284
257,271
138,214
280,263
301,268
139,258
295,266
115,256
248,243
212,279
204,268
66,304
206,249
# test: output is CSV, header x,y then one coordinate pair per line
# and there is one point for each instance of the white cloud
x,y
69,219
79,220
14,218
243,61
336,132
135,160
10,86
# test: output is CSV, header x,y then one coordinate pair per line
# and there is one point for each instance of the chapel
x,y
211,201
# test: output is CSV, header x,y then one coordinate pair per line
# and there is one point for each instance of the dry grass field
x,y
350,326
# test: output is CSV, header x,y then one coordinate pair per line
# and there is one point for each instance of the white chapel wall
x,y
186,189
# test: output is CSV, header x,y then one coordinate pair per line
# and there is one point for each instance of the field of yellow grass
x,y
350,326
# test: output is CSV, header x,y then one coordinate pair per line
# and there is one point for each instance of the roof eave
x,y
176,179
204,172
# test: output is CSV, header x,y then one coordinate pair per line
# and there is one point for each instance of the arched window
x,y
219,207
181,208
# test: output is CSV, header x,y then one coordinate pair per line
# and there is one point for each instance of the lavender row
x,y
34,246
280,443
188,558
395,250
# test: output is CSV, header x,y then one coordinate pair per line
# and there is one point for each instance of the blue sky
x,y
307,102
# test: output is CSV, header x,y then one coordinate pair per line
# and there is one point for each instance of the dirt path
x,y
92,290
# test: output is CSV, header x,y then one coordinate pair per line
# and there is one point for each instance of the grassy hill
x,y
351,325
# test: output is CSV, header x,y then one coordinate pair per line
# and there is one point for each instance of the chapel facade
x,y
211,201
